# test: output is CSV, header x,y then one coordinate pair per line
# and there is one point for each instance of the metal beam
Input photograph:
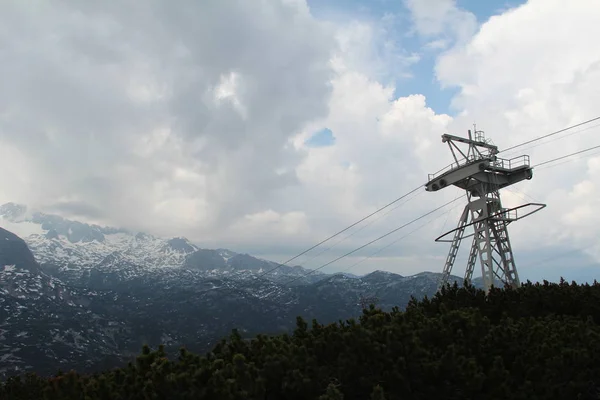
x,y
470,142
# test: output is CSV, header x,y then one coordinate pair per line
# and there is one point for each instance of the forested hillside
x,y
541,341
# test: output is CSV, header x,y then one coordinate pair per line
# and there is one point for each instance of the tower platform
x,y
492,172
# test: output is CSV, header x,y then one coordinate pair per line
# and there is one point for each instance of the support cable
x,y
555,139
413,191
447,213
569,160
568,155
359,229
374,240
551,134
340,232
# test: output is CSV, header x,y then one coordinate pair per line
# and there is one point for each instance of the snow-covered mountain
x,y
73,250
75,295
43,322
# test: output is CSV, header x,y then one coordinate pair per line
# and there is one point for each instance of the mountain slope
x,y
47,324
14,251
95,295
44,322
511,344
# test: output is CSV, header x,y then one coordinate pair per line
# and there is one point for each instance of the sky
x,y
265,127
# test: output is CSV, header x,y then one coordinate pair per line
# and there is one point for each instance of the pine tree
x,y
332,393
378,393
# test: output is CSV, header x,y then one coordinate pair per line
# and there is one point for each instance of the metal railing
x,y
506,214
479,136
512,214
508,164
520,161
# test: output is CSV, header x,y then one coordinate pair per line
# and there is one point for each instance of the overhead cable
x,y
359,229
375,240
551,134
342,231
397,240
558,138
413,191
568,155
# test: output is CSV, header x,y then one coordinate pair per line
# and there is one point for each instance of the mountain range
x,y
75,295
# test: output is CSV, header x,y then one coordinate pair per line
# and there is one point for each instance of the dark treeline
x,y
541,341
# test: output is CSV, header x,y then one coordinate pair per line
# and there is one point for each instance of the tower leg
x,y
507,271
492,245
471,261
454,246
483,239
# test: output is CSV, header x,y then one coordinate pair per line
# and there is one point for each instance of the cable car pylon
x,y
481,174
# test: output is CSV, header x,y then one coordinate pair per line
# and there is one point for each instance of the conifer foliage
x,y
541,341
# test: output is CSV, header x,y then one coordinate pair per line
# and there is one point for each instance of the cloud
x,y
513,82
189,121
527,72
379,154
547,81
373,48
441,21
165,118
77,209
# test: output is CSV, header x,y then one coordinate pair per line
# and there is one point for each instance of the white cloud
x,y
441,21
370,48
514,84
527,72
189,122
272,226
381,150
161,118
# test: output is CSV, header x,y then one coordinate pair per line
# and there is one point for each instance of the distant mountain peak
x,y
181,245
77,249
73,231
143,236
87,301
52,234
378,274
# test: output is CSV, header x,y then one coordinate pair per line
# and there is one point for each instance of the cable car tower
x,y
482,174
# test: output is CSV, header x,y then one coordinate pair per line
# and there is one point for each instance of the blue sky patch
x,y
423,80
483,10
321,138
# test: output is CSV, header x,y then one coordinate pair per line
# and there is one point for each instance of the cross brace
x,y
490,244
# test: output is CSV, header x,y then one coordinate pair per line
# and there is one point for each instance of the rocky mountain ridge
x,y
74,250
74,295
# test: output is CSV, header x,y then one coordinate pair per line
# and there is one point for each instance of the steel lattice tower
x,y
482,174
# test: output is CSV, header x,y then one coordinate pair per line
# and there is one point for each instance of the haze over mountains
x,y
75,295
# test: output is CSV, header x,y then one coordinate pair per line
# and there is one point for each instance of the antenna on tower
x,y
482,174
